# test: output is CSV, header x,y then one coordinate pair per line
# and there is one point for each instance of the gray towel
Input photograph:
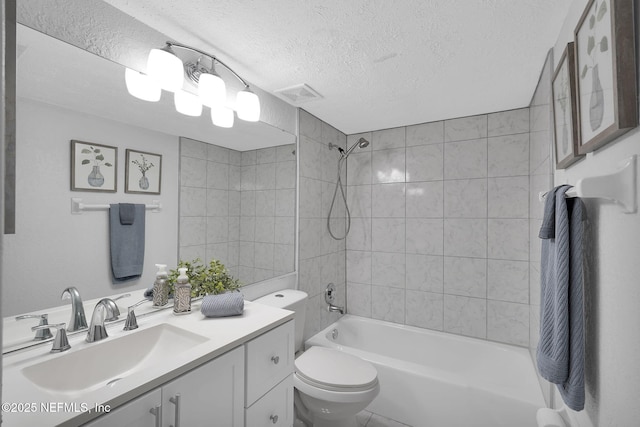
x,y
127,244
560,353
127,213
223,305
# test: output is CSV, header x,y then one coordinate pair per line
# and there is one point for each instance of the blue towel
x,y
127,213
560,353
127,244
222,305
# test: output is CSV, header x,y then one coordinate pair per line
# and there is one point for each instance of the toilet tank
x,y
289,299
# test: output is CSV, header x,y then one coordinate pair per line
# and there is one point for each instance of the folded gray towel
x,y
223,305
127,244
127,213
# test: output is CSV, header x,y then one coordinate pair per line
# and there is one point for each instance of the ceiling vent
x,y
298,94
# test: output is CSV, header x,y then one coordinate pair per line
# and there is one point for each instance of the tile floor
x,y
368,419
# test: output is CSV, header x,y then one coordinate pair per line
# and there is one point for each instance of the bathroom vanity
x,y
172,370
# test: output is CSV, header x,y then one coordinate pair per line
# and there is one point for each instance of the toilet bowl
x,y
331,386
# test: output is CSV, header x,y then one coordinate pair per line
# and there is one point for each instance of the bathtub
x,y
435,379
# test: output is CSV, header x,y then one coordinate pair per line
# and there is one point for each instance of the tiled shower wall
x,y
440,229
321,258
541,179
238,207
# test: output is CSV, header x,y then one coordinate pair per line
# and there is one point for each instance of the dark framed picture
x,y
143,172
565,119
93,167
606,73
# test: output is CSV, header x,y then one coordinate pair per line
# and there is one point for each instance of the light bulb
x,y
248,105
212,90
187,103
141,86
222,116
165,68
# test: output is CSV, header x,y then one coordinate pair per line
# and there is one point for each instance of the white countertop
x,y
51,409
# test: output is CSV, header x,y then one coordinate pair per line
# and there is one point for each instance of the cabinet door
x,y
136,413
210,395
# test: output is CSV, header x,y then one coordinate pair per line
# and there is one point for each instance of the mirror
x,y
64,94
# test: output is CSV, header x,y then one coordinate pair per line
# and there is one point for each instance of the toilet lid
x,y
331,369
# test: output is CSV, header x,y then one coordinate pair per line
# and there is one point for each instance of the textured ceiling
x,y
376,63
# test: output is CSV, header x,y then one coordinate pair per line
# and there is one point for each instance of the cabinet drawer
x,y
269,360
274,408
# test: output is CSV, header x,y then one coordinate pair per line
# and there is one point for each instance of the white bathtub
x,y
435,379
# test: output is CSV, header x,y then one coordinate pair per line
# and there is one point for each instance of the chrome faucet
x,y
78,320
330,297
102,311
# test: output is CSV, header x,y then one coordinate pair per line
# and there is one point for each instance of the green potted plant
x,y
210,279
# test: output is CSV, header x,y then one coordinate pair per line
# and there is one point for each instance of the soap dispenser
x,y
161,287
182,293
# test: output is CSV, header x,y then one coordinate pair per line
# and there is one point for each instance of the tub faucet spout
x,y
333,308
78,320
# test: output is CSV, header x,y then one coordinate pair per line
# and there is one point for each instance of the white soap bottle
x,y
161,287
182,293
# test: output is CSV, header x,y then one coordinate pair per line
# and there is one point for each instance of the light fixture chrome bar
x,y
213,57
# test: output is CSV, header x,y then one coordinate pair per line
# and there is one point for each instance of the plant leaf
x,y
604,44
100,157
584,72
86,151
592,22
108,164
602,10
591,43
96,150
85,162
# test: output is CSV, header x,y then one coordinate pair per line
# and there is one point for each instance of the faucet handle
x,y
132,322
43,333
60,342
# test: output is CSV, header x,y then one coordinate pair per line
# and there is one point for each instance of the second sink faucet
x,y
78,319
104,309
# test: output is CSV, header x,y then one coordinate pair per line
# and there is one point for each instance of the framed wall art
x,y
93,167
606,76
143,172
565,119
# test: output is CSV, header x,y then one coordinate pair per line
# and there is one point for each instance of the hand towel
x,y
560,352
126,244
127,213
222,305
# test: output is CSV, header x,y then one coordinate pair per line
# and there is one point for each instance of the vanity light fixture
x,y
141,86
165,70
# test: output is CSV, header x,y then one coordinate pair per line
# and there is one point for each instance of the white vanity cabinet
x,y
269,382
210,395
136,413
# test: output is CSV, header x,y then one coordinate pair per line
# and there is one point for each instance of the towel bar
x,y
77,207
619,186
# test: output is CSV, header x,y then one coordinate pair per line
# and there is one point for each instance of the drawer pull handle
x,y
157,412
275,360
274,418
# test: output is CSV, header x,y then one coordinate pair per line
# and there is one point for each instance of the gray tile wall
x,y
321,258
440,229
238,207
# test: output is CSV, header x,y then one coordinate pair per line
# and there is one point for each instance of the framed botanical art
x,y
565,121
93,167
143,172
606,73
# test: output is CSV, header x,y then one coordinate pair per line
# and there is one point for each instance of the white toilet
x,y
331,386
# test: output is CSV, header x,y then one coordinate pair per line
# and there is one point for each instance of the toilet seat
x,y
333,370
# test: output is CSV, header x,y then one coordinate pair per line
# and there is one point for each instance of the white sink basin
x,y
104,362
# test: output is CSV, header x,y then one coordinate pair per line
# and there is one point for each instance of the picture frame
x,y
143,172
606,84
94,167
565,118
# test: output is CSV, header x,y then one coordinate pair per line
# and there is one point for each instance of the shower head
x,y
362,143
